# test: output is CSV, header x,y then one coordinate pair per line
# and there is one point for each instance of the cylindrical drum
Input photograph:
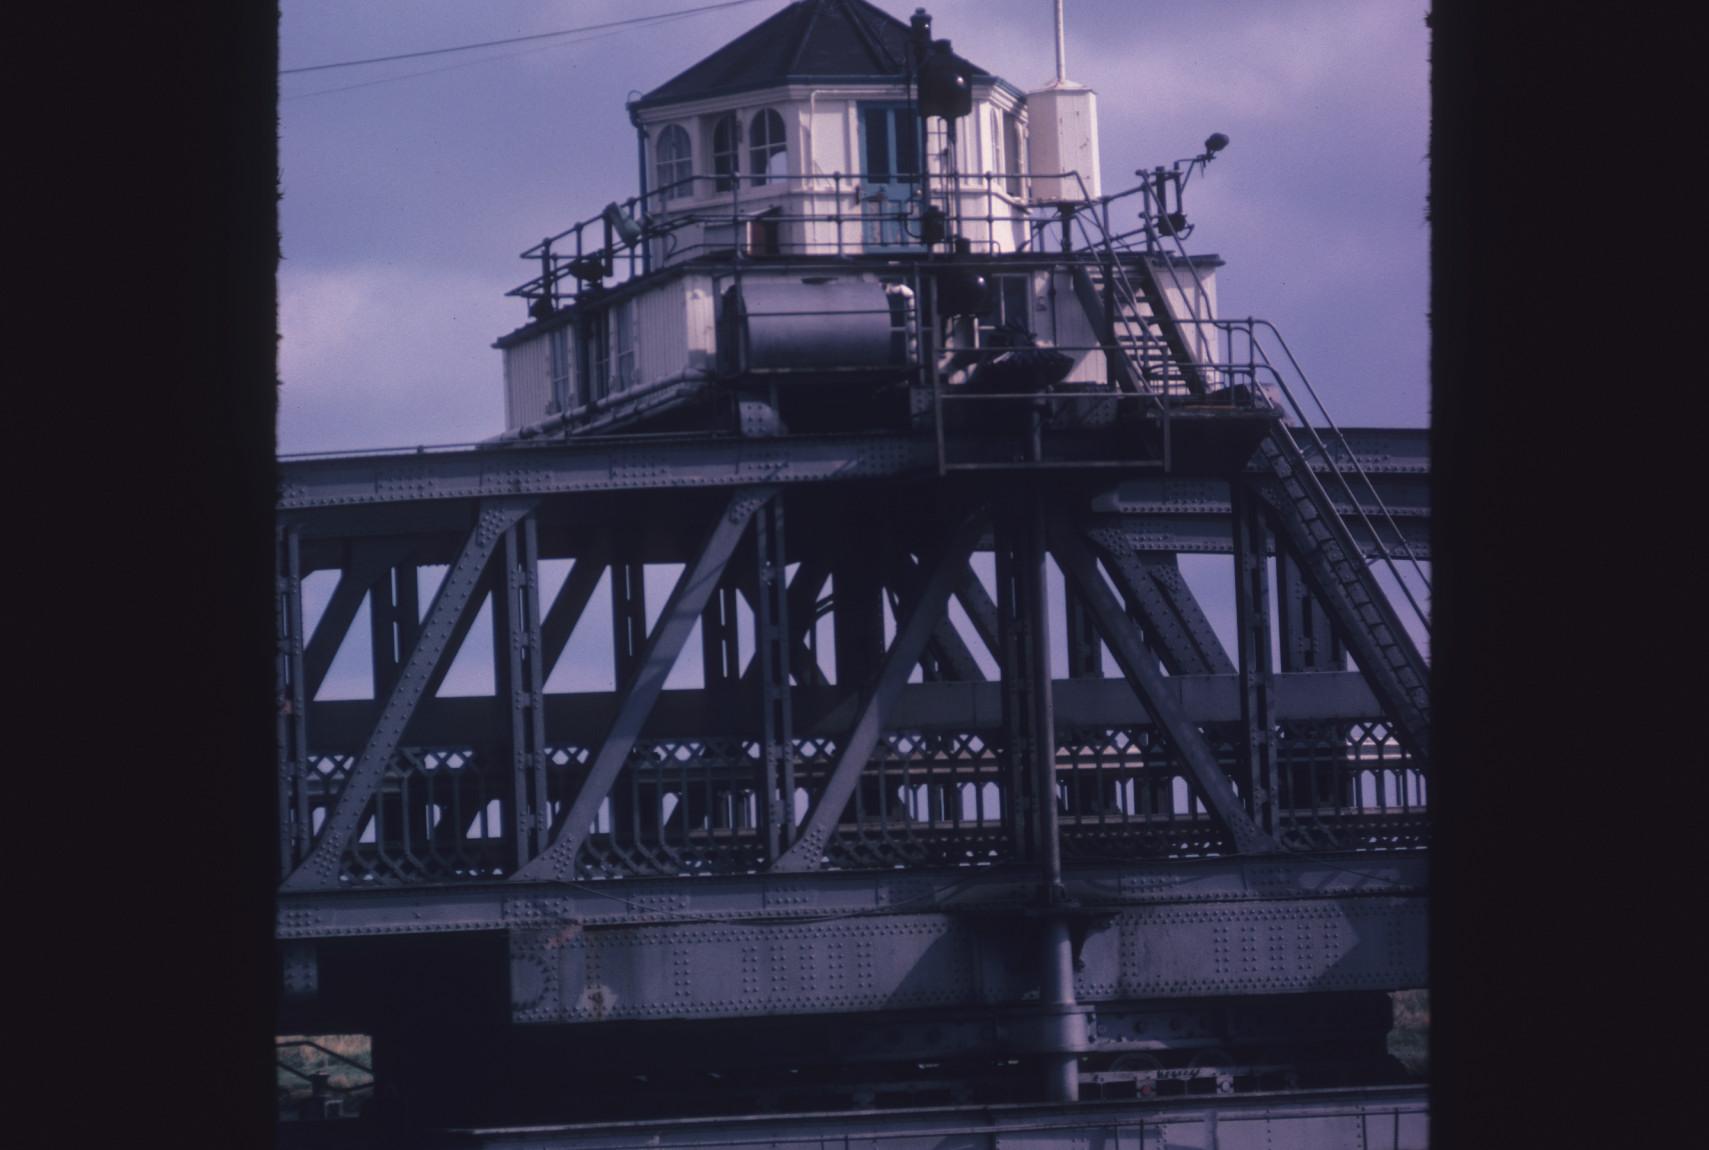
x,y
814,325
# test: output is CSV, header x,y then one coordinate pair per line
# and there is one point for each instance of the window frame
x,y
681,166
726,161
762,146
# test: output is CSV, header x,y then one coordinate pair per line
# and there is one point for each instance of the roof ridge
x,y
874,43
806,31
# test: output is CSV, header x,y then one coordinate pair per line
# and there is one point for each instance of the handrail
x,y
1250,326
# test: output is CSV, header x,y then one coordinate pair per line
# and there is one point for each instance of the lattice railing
x,y
693,806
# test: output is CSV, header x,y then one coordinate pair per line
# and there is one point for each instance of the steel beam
x,y
1260,786
1188,741
394,621
801,605
1335,571
948,654
579,718
382,912
981,611
492,472
291,733
772,657
1158,597
564,971
421,672
807,852
572,600
1347,1118
653,663
628,618
519,680
368,560
1307,641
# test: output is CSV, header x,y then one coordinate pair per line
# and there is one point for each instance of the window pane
x,y
724,153
877,143
766,147
907,151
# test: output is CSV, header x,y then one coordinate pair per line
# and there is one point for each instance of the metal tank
x,y
817,326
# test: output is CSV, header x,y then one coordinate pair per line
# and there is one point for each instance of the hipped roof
x,y
809,41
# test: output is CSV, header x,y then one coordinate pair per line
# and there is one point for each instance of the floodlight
x,y
622,223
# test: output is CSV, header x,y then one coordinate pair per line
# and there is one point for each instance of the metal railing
x,y
1261,367
704,218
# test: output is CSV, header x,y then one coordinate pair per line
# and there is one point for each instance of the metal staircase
x,y
1175,358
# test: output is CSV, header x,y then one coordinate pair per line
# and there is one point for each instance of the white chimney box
x,y
1062,136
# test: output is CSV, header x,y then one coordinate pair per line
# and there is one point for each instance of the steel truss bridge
x,y
886,867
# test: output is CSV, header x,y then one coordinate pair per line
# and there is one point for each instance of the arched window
x,y
674,161
1015,151
724,145
768,155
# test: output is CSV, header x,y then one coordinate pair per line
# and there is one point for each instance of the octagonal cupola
x,y
801,137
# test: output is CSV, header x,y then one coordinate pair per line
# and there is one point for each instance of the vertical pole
x,y
628,618
720,643
1252,618
1030,732
857,611
1307,640
772,650
520,681
1056,987
1061,48
292,702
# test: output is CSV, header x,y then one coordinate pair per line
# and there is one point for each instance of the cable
x,y
450,67
515,39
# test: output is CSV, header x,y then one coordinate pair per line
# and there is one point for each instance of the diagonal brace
x,y
801,603
898,662
1175,624
570,603
653,663
420,669
366,566
952,651
1142,672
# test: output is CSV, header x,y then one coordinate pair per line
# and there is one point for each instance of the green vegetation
x,y
1409,1041
307,1060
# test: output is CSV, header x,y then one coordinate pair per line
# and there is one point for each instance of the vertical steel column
x,y
292,736
772,654
1030,731
720,639
1307,640
1056,986
520,680
857,604
1257,770
628,617
1015,660
394,621
1085,652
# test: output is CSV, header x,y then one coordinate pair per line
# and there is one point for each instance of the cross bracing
x,y
1152,746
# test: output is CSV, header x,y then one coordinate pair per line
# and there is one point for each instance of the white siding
x,y
527,381
1190,300
1070,327
674,330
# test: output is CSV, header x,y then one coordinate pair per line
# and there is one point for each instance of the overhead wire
x,y
633,20
450,67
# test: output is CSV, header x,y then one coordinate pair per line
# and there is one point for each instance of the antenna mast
x,y
1061,50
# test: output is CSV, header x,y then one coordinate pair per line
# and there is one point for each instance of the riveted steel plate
x,y
1265,947
719,970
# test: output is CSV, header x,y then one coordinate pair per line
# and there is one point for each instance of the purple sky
x,y
407,199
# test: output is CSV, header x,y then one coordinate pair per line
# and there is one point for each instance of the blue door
x,y
890,164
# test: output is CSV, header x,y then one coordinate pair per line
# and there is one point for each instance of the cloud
x,y
389,355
